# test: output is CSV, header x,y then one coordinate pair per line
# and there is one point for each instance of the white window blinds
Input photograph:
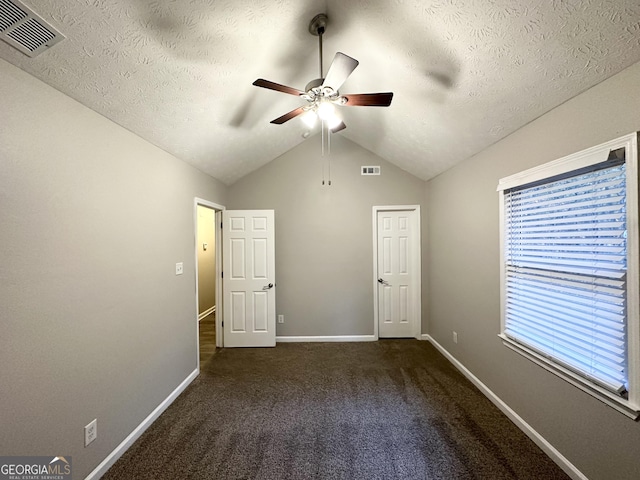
x,y
565,261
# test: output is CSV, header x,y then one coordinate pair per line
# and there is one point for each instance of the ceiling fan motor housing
x,y
313,84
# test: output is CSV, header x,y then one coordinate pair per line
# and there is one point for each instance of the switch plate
x,y
455,337
280,318
179,268
91,432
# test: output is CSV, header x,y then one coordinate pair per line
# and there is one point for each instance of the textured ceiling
x,y
465,73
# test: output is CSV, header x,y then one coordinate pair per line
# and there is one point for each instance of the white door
x,y
396,275
248,278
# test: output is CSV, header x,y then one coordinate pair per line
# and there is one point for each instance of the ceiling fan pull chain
x,y
329,148
322,147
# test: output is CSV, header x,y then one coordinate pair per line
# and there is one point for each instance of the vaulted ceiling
x,y
465,73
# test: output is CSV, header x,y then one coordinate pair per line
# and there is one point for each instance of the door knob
x,y
383,282
268,287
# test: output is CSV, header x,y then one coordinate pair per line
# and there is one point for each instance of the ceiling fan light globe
x,y
326,110
333,121
309,118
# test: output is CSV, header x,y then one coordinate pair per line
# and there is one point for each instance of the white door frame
x,y
417,301
218,253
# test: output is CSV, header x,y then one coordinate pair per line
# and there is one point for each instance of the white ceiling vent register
x,y
370,170
23,29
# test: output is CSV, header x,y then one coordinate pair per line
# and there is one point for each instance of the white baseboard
x,y
207,312
101,469
568,467
335,338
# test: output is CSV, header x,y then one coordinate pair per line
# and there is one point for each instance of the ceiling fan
x,y
322,94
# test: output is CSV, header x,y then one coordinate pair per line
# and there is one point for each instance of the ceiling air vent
x,y
23,29
370,170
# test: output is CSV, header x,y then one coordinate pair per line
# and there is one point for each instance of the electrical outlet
x,y
179,268
280,318
91,432
455,337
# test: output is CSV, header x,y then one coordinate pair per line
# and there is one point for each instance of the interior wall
x,y
464,287
324,234
95,323
206,258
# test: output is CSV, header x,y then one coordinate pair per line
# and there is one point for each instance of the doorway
x,y
208,268
397,271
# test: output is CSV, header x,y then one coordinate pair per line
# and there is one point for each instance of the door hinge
x,y
221,274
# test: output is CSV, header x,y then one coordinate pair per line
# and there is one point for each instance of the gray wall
x,y
463,261
94,322
324,242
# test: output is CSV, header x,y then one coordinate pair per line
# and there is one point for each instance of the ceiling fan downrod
x,y
317,27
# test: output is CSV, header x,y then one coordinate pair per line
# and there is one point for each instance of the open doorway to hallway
x,y
207,268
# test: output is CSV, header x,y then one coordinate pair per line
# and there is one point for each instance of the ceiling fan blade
x,y
339,70
261,82
288,116
368,99
338,128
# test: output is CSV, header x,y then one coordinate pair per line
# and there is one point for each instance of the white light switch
x,y
179,268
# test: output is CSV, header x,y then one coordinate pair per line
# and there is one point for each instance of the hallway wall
x,y
206,258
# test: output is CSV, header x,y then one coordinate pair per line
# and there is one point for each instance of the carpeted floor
x,y
393,409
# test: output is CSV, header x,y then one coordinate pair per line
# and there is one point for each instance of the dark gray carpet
x,y
393,409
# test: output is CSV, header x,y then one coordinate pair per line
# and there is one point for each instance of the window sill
x,y
620,404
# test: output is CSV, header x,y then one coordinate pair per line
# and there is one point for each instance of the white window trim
x,y
585,158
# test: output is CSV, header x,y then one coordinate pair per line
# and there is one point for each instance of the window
x,y
569,272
